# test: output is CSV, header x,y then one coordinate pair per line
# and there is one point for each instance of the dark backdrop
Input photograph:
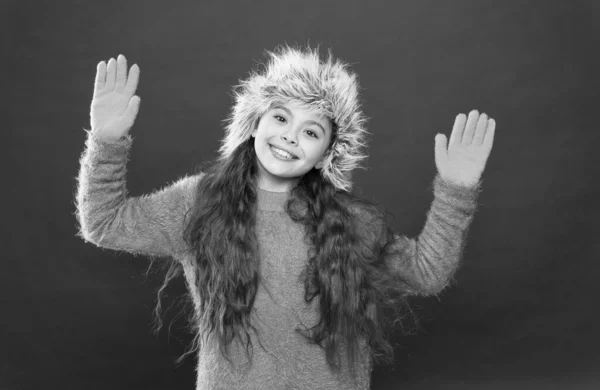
x,y
522,313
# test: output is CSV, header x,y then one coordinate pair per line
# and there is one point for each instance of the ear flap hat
x,y
324,86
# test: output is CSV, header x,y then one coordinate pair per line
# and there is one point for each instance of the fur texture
x,y
357,269
358,293
356,276
327,87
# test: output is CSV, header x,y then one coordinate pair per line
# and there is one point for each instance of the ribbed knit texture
x,y
152,225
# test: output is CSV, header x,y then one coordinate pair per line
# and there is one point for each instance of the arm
x,y
150,224
428,262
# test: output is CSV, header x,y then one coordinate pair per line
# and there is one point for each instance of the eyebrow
x,y
309,121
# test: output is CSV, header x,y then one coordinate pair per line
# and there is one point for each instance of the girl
x,y
276,249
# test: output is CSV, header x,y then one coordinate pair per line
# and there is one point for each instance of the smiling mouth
x,y
282,154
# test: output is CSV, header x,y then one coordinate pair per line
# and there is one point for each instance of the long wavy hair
x,y
359,295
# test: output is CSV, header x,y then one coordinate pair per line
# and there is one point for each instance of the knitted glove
x,y
114,105
462,161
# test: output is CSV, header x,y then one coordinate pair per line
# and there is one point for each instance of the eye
x,y
277,117
313,133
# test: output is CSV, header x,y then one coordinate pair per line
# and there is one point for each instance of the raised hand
x,y
114,105
463,161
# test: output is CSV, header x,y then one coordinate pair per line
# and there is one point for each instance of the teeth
x,y
282,153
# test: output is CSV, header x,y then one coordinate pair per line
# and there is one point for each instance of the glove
x,y
114,105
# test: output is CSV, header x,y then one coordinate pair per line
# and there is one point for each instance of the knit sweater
x,y
152,225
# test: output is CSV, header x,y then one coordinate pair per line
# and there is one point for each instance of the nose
x,y
289,138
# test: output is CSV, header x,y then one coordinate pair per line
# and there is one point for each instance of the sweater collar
x,y
271,201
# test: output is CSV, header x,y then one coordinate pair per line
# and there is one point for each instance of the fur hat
x,y
325,86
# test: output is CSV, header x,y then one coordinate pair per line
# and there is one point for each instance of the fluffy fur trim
x,y
328,87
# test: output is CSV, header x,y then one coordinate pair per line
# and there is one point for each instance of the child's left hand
x,y
464,160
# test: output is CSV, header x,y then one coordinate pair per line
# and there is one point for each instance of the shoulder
x,y
189,181
186,183
184,188
366,215
368,223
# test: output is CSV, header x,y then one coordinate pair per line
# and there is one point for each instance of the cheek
x,y
316,152
261,138
258,147
261,148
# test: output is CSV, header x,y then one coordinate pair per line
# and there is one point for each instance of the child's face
x,y
298,131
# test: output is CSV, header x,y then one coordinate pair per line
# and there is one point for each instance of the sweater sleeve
x,y
426,264
150,224
429,262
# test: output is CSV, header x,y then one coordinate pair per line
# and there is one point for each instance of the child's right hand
x,y
114,105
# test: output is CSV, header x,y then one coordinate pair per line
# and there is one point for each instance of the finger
x,y
132,110
100,76
132,80
457,129
121,72
467,137
440,150
110,74
480,130
488,140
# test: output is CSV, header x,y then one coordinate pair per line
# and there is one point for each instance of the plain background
x,y
523,311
